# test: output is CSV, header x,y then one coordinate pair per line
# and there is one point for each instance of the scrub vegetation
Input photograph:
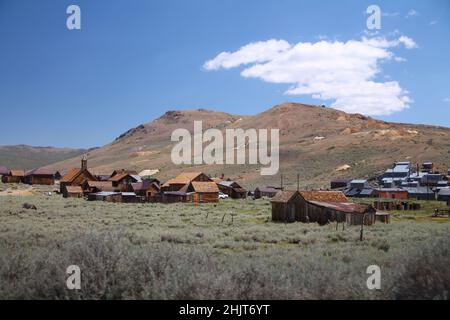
x,y
229,250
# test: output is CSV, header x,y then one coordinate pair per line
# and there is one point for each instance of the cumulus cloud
x,y
343,72
412,13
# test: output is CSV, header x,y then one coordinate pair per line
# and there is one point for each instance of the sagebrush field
x,y
231,250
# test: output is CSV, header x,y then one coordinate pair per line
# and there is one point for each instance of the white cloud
x,y
412,13
343,72
447,99
432,23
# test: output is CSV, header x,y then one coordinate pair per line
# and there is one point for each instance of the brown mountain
x,y
29,157
315,142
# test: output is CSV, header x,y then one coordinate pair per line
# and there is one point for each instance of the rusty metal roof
x,y
343,207
324,196
71,175
40,172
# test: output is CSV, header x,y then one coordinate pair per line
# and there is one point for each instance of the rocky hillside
x,y
315,142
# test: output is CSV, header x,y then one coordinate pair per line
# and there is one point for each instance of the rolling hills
x,y
315,142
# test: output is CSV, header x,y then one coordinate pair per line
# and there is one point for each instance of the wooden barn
x,y
76,176
286,206
177,183
72,192
149,190
232,189
268,192
14,176
203,191
40,176
351,213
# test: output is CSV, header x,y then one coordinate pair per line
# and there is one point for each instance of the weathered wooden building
x,y
339,183
391,193
107,196
72,191
40,176
98,186
14,176
76,176
176,196
123,181
148,189
268,192
233,189
184,179
286,206
202,191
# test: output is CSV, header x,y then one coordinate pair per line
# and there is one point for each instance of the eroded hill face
x,y
315,142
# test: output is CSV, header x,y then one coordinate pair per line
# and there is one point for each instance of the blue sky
x,y
133,60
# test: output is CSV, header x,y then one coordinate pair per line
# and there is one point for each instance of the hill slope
x,y
314,142
28,157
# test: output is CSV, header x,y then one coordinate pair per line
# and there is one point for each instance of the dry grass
x,y
226,251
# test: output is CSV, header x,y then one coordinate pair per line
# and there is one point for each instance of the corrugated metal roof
x,y
444,192
324,196
343,207
40,172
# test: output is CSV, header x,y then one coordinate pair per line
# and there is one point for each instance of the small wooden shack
x,y
72,192
203,191
268,192
14,176
176,196
286,206
98,186
40,176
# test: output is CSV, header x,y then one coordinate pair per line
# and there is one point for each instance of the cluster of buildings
x,y
40,176
402,181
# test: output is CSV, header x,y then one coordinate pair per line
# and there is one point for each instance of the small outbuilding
x,y
72,192
286,206
203,191
14,176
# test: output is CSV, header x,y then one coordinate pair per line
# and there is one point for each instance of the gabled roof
x,y
145,185
101,185
71,175
17,173
121,176
4,171
74,189
204,186
40,172
324,196
183,178
284,196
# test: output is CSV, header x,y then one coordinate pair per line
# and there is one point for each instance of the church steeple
x,y
84,162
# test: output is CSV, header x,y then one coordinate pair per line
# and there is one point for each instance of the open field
x,y
229,250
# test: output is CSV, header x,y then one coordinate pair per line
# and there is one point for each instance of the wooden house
x,y
72,191
268,192
76,176
122,171
122,181
14,176
202,191
232,189
176,196
286,206
184,179
40,176
391,193
98,186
